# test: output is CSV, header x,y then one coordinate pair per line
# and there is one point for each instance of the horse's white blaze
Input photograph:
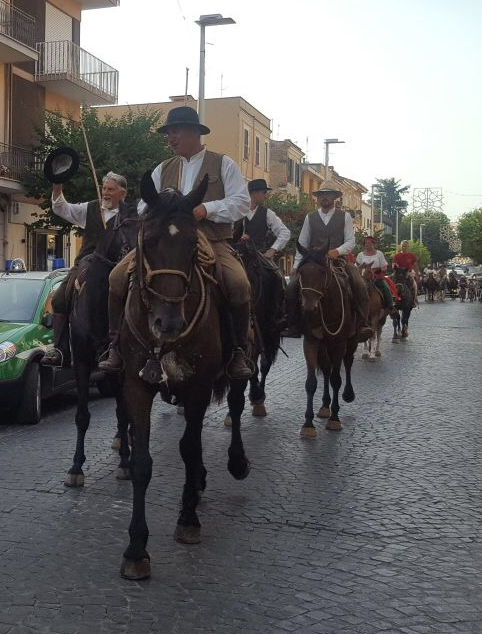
x,y
173,230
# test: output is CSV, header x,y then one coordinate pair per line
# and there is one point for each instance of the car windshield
x,y
19,299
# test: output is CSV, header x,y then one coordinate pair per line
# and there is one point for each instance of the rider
x,y
330,227
226,201
256,226
376,260
91,217
404,259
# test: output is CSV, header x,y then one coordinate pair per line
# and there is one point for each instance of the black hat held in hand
x,y
61,164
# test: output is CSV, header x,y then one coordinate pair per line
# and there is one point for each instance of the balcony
x,y
14,162
17,35
98,4
70,71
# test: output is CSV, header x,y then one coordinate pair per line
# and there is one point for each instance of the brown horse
x,y
377,314
172,339
329,328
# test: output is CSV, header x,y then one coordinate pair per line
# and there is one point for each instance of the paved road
x,y
375,529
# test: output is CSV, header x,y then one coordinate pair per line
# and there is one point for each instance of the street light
x,y
372,218
420,228
212,19
328,142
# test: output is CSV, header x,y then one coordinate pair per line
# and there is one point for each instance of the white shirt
x,y
348,235
76,213
377,260
277,228
236,201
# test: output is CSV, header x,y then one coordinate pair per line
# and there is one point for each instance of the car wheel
x,y
106,387
30,408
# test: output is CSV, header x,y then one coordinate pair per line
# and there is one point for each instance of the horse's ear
x,y
301,249
148,189
196,197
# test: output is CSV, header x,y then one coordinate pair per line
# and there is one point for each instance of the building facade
x,y
238,129
285,167
42,68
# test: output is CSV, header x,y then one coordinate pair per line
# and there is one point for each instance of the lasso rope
x,y
334,269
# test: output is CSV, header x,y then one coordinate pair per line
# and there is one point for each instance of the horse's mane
x,y
316,255
169,205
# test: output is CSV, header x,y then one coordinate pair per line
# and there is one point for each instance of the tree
x,y
292,212
470,234
128,145
392,194
432,221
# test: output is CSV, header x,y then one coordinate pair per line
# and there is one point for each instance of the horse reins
x,y
322,294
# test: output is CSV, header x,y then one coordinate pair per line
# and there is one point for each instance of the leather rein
x,y
329,275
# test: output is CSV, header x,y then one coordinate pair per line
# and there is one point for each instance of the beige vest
x,y
171,177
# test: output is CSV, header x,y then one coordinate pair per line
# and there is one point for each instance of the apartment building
x,y
238,129
42,68
285,167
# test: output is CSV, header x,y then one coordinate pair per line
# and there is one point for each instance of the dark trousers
x,y
386,292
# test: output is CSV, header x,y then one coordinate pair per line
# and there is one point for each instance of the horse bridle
x,y
329,274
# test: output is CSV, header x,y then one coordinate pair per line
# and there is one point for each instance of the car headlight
x,y
7,351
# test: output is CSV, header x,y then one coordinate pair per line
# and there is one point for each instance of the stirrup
x,y
46,360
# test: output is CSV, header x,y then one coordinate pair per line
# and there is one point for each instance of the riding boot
x,y
113,363
278,298
238,367
292,307
360,296
59,355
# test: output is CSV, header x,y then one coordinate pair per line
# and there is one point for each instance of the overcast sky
x,y
398,80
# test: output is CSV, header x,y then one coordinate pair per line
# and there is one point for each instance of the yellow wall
x,y
69,108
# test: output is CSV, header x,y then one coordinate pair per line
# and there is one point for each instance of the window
x,y
257,151
290,170
266,157
298,175
246,145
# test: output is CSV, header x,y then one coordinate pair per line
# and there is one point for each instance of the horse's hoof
x,y
259,409
74,480
135,570
371,358
239,469
116,443
180,410
308,432
378,353
323,412
228,422
122,474
365,355
348,396
187,534
333,425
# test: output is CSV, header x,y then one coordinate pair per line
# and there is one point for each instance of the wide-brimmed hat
x,y
61,164
258,185
184,115
328,186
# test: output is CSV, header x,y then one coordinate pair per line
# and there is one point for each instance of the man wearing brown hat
x,y
225,202
332,228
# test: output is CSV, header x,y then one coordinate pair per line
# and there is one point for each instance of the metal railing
x,y
15,161
17,24
66,60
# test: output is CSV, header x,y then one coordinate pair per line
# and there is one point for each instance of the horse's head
x,y
400,275
314,277
166,255
366,272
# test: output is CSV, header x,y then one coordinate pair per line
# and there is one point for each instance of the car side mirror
x,y
47,320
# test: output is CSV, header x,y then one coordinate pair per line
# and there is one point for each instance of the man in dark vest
x,y
328,226
225,202
90,216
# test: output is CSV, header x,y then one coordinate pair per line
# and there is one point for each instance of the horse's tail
x,y
220,389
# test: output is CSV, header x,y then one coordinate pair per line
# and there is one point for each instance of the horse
x,y
431,286
175,336
89,332
377,315
329,327
452,286
267,301
442,287
404,305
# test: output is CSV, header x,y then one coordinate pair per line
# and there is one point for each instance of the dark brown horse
x,y
172,339
377,314
329,328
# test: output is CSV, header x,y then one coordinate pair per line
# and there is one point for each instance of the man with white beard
x,y
93,218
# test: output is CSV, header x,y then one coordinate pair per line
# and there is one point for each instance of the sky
x,y
398,80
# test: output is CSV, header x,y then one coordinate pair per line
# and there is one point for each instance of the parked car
x,y
25,333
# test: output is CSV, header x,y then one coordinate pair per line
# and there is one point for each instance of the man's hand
x,y
270,253
56,190
244,237
333,254
200,212
293,272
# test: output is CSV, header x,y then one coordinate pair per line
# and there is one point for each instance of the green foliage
x,y
420,250
470,234
128,145
292,212
432,221
392,193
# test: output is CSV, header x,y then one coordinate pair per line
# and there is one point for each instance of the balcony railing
x,y
15,162
16,24
65,60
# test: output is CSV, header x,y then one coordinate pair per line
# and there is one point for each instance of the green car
x,y
25,333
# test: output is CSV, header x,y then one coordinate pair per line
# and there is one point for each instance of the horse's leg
x,y
188,528
336,356
378,352
405,317
324,411
256,391
349,393
136,563
310,348
238,463
75,475
123,470
396,327
366,349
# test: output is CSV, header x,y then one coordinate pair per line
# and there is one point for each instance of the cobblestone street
x,y
374,529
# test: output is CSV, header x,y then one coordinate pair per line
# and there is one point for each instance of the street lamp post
x,y
213,19
421,233
328,142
